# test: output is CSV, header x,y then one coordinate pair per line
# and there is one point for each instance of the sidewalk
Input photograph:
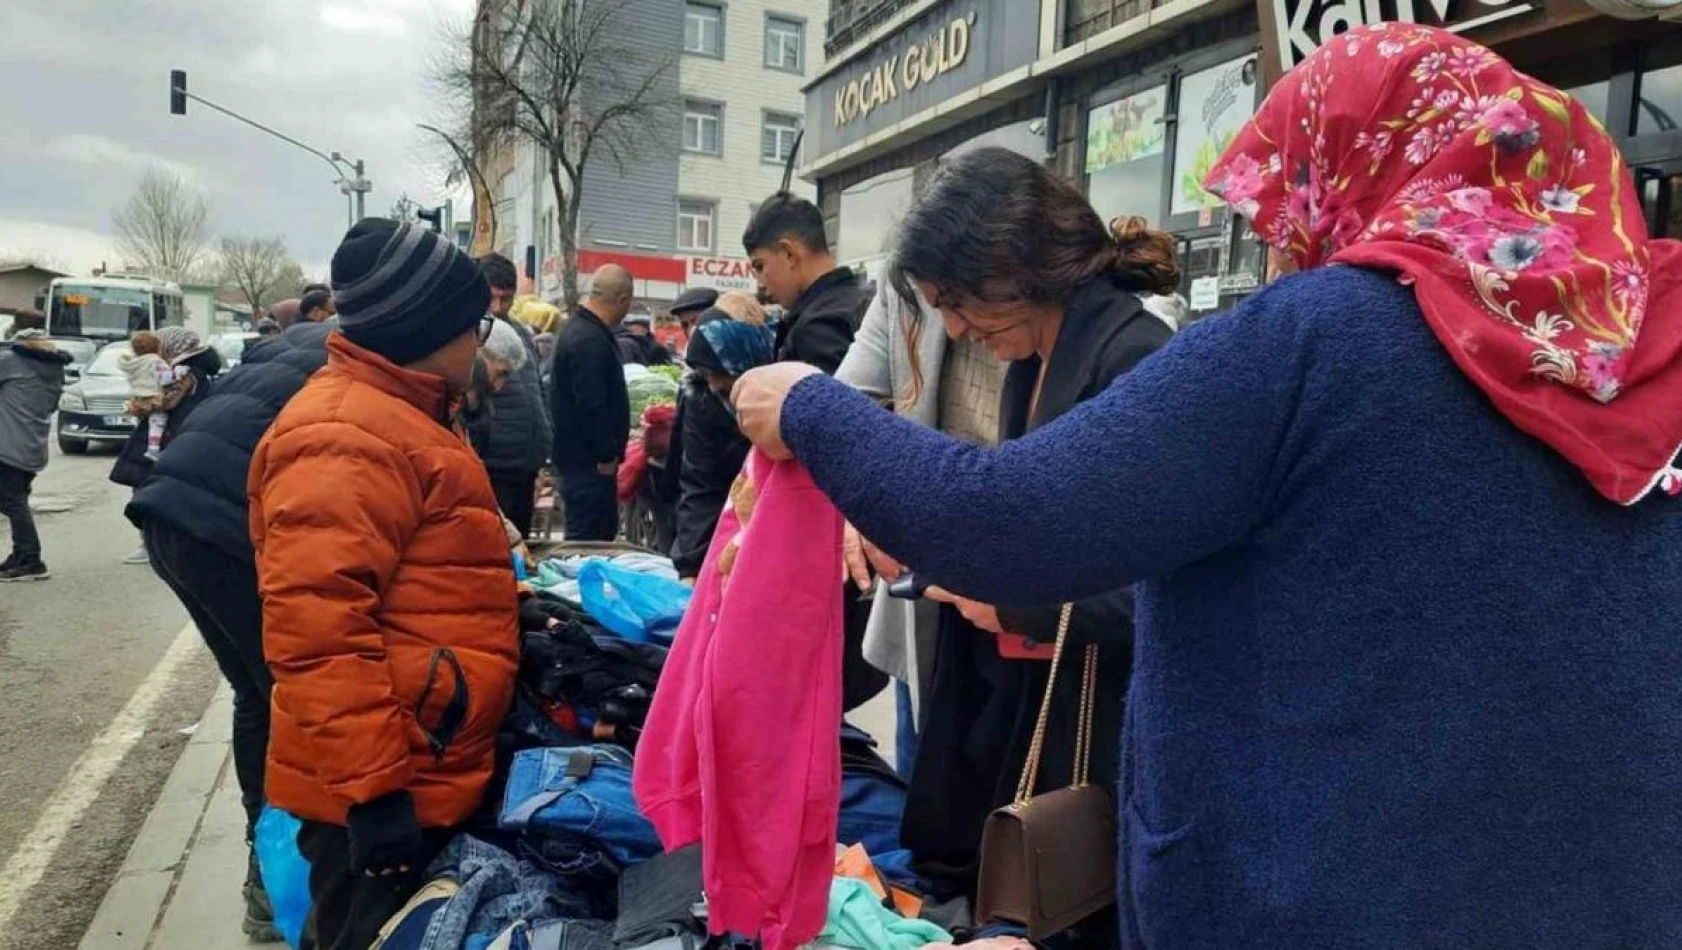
x,y
180,885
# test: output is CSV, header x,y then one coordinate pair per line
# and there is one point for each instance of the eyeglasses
x,y
486,325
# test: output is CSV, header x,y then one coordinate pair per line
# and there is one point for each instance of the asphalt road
x,y
73,651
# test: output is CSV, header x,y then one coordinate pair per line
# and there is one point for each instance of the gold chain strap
x,y
1083,729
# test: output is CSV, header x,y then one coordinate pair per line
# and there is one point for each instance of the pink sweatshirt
x,y
741,748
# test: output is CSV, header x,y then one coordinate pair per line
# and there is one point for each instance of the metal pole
x,y
361,187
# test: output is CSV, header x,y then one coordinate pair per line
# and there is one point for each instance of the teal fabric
x,y
858,920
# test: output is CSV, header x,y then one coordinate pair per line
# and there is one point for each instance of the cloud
x,y
94,151
79,249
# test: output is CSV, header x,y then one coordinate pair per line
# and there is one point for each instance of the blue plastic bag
x,y
286,875
638,607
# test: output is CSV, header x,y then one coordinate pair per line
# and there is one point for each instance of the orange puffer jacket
x,y
389,614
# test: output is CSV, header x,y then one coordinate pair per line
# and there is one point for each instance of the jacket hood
x,y
425,392
46,357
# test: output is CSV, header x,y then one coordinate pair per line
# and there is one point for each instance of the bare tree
x,y
465,166
567,77
162,227
259,268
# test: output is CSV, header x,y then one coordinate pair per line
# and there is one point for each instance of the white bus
x,y
112,307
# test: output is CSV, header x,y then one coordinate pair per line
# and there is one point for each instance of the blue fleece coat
x,y
1403,679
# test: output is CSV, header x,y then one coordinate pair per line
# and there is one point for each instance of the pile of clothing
x,y
561,857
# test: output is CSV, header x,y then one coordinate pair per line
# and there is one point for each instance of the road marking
x,y
87,778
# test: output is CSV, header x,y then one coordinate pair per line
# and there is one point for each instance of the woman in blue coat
x,y
1407,669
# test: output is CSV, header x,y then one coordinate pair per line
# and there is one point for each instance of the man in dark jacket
x,y
31,380
792,261
637,344
515,434
592,408
192,514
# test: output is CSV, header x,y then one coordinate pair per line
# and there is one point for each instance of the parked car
x,y
232,346
92,409
82,353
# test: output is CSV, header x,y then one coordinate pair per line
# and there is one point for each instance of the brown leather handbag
x,y
1048,861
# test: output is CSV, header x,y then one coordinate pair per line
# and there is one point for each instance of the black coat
x,y
819,327
198,484
591,408
708,450
642,350
511,432
981,711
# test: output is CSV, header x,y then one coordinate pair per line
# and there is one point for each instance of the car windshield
x,y
106,363
80,350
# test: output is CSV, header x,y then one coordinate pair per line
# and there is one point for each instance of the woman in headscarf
x,y
707,449
1407,669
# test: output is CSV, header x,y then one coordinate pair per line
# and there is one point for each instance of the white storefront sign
x,y
1303,25
720,273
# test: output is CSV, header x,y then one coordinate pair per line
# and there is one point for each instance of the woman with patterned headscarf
x,y
1407,669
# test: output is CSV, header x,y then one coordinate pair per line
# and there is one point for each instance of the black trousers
x,y
14,505
220,594
348,909
592,505
515,493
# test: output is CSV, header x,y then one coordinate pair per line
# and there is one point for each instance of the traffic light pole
x,y
358,186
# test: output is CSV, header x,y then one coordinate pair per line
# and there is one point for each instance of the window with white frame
x,y
703,29
695,226
702,127
785,44
776,139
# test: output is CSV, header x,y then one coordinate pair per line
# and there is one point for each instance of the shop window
x,y
1595,97
785,44
870,214
702,125
1214,105
695,226
776,138
703,29
1126,153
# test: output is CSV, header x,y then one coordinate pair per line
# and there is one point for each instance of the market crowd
x,y
1345,618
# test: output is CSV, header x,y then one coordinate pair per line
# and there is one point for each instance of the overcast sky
x,y
84,109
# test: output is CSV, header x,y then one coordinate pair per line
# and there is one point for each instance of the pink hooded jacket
x,y
740,750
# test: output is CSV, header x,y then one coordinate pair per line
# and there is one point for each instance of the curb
x,y
133,907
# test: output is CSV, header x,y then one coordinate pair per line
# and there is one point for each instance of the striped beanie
x,y
403,291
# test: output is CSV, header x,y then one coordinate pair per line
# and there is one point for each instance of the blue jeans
x,y
905,736
578,793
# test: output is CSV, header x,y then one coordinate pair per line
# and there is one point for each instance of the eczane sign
x,y
720,273
1301,26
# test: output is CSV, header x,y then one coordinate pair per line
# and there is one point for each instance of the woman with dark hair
x,y
1015,260
1407,669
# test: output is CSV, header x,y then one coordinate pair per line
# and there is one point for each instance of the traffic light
x,y
178,92
432,216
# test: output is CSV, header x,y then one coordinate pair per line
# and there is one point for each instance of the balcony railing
x,y
852,20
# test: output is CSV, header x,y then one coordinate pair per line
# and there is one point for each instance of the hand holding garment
x,y
1506,207
740,750
758,398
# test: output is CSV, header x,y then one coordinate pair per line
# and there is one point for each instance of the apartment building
x,y
675,217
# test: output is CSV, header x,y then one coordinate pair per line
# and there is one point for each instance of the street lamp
x,y
352,184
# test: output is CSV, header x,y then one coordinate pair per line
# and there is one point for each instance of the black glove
x,y
385,836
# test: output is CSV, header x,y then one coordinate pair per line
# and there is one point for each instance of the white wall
x,y
739,179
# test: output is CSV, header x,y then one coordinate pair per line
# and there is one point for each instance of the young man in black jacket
x,y
791,259
591,407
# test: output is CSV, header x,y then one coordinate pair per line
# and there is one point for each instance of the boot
x,y
259,914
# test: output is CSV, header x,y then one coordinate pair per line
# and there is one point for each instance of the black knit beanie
x,y
403,291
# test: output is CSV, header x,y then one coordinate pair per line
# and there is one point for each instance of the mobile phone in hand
x,y
908,587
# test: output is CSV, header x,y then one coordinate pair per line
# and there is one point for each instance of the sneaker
x,y
138,557
9,563
259,912
24,572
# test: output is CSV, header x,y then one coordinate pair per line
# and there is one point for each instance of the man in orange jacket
x,y
389,605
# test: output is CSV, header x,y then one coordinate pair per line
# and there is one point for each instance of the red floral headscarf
x,y
1511,213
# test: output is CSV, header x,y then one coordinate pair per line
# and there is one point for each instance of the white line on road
x,y
87,778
